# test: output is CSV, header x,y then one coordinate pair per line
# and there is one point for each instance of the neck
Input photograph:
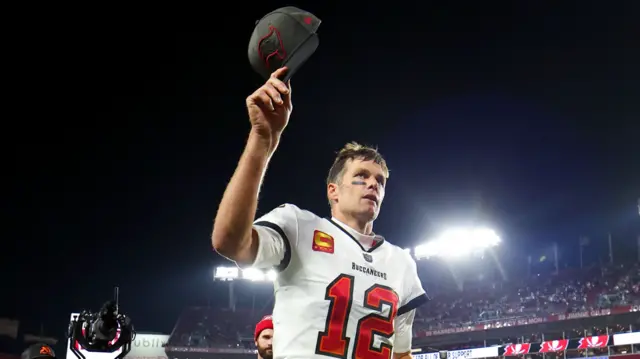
x,y
364,227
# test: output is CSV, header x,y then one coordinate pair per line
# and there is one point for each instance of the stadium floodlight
x,y
252,274
249,274
271,275
226,273
458,242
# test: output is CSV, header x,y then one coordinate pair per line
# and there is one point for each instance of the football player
x,y
342,291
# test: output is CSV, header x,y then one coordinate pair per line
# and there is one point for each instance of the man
x,y
342,290
39,351
263,336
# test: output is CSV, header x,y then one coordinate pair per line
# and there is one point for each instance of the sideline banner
x,y
549,346
463,354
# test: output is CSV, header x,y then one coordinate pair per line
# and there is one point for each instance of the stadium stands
x,y
571,291
539,296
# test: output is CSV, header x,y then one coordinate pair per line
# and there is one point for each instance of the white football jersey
x,y
338,293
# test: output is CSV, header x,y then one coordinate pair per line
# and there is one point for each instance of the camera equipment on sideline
x,y
104,332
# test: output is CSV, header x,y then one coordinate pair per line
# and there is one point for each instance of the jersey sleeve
x,y
277,233
413,297
413,293
403,328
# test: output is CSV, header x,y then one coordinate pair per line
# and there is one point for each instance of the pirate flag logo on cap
x,y
284,37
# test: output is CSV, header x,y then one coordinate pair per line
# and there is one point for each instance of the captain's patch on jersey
x,y
322,242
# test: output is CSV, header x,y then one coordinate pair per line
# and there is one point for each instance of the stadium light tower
x,y
233,274
458,242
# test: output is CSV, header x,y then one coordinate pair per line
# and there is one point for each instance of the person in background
x,y
39,351
263,336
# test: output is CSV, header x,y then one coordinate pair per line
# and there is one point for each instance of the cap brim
x,y
300,56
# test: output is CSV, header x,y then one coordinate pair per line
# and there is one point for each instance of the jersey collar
x,y
378,240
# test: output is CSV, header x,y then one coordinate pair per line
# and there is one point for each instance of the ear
x,y
332,192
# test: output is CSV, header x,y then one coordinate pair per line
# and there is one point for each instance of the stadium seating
x,y
566,292
539,296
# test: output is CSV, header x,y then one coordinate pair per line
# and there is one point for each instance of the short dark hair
x,y
352,151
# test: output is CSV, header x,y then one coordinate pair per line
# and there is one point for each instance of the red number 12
x,y
334,342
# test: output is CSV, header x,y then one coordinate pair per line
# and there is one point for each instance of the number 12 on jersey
x,y
333,341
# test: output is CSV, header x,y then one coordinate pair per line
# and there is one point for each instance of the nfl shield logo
x,y
367,257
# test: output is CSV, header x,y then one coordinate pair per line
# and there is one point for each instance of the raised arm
x,y
269,109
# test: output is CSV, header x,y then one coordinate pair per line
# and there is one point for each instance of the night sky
x,y
523,117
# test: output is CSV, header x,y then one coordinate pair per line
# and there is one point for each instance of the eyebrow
x,y
380,178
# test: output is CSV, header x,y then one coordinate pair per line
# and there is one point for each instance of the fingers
x,y
273,93
266,97
287,97
275,81
279,73
262,99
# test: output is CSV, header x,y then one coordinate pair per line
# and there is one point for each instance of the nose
x,y
372,183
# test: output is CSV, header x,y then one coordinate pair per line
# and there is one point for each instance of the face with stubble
x,y
360,191
263,343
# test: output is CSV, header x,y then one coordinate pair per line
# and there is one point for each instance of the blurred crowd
x,y
567,292
215,327
541,295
